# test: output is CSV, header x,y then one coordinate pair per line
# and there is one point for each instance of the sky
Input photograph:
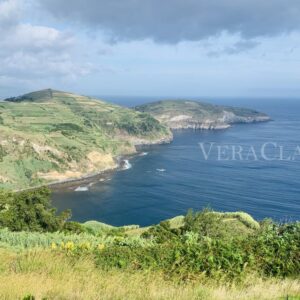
x,y
165,48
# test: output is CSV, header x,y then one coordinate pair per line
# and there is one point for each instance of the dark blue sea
x,y
172,178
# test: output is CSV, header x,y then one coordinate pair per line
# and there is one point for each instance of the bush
x,y
202,247
30,211
277,249
206,244
73,227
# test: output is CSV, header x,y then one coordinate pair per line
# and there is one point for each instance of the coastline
x,y
139,145
87,178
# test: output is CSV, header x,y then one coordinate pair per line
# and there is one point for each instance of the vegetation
x,y
44,255
204,247
49,136
186,114
205,254
30,211
53,275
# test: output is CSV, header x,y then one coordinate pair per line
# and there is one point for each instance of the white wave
x,y
161,170
143,153
82,189
126,164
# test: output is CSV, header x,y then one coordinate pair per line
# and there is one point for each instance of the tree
x,y
30,211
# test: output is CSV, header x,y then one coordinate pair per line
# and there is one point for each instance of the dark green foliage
x,y
162,233
30,211
142,124
73,227
201,247
205,222
277,248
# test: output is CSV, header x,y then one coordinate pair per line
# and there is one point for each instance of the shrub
x,y
30,210
73,227
202,247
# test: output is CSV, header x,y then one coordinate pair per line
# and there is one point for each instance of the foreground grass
x,y
53,275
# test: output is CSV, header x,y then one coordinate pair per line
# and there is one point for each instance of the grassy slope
x,y
49,132
198,111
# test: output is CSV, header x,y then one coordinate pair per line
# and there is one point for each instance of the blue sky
x,y
171,48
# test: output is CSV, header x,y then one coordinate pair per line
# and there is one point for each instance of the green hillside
x,y
49,136
199,115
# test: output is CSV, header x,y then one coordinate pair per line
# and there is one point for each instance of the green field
x,y
45,134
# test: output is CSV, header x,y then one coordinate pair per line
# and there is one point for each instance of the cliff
x,y
182,114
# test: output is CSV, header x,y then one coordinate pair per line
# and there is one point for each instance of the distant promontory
x,y
184,114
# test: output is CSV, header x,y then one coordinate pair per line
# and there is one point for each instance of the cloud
x,y
35,39
236,48
173,21
9,14
31,53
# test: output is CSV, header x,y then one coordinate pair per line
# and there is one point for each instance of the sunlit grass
x,y
52,275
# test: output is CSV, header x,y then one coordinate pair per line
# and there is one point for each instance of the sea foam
x,y
143,154
126,164
82,189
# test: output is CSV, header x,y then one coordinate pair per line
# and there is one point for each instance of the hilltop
x,y
182,114
48,136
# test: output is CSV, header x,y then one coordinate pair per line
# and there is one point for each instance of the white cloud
x,y
9,13
30,52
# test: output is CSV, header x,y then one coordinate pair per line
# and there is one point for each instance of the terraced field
x,y
49,135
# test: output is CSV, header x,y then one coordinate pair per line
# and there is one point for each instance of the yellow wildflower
x,y
69,246
53,246
85,246
101,246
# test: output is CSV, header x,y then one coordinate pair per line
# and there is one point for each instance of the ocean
x,y
164,181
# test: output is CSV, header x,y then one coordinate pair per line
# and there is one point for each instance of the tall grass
x,y
26,240
51,275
